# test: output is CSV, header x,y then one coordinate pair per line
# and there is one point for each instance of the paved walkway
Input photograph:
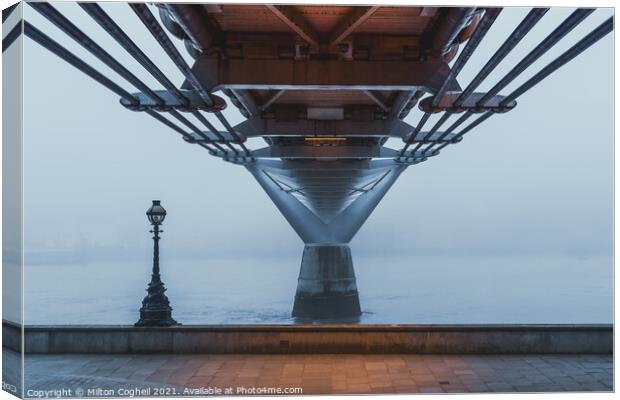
x,y
316,374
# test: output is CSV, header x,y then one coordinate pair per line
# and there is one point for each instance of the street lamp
x,y
156,310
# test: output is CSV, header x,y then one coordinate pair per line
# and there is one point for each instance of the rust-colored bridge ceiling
x,y
389,42
322,19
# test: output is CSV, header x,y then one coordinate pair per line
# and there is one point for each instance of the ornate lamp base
x,y
156,310
156,315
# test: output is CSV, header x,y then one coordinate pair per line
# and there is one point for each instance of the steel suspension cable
x,y
54,16
107,23
455,125
148,19
594,36
63,23
486,22
6,13
413,134
543,47
551,40
61,52
483,27
10,37
51,45
524,27
196,130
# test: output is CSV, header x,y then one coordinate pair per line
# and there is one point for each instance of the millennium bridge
x,y
325,87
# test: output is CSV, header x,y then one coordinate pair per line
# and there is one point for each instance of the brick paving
x,y
323,374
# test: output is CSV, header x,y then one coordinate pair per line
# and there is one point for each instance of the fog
x,y
514,224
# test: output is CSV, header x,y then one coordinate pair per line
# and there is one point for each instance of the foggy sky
x,y
535,180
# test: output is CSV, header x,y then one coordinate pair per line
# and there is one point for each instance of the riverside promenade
x,y
316,373
311,359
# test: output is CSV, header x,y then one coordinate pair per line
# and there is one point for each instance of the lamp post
x,y
156,310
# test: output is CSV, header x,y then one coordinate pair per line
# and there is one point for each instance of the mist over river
x,y
422,289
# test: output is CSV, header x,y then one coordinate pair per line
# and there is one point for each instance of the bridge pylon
x,y
326,202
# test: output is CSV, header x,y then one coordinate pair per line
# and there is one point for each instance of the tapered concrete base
x,y
326,288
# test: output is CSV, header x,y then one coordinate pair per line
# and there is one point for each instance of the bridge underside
x,y
325,87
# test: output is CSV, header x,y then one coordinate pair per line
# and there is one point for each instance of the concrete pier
x,y
326,286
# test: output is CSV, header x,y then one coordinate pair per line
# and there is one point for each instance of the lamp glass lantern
x,y
156,213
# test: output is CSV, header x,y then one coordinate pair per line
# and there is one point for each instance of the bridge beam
x,y
317,153
253,127
288,74
357,17
296,22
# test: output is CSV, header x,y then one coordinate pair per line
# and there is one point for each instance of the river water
x,y
424,289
